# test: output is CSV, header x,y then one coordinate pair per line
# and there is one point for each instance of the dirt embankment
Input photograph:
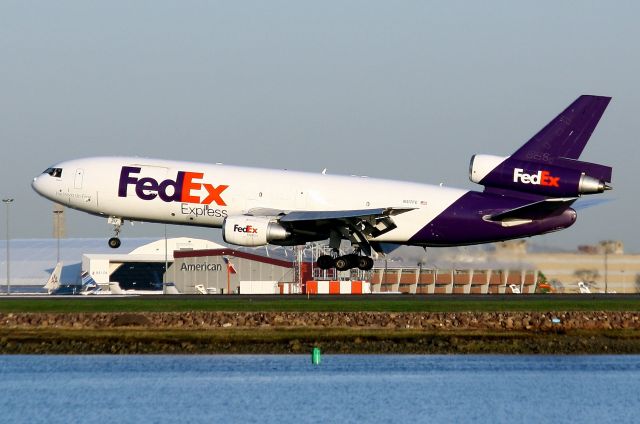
x,y
337,332
443,321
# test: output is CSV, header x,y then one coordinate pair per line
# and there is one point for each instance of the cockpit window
x,y
54,172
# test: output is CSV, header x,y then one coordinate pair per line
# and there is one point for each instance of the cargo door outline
x,y
78,178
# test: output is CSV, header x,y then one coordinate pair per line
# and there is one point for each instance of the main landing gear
x,y
360,258
114,242
346,262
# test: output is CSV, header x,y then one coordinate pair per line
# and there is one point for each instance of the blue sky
x,y
401,90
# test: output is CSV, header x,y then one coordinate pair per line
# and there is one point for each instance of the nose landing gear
x,y
114,242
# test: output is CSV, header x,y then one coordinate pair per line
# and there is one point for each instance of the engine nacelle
x,y
244,230
533,177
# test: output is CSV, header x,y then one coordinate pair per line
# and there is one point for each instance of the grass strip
x,y
319,304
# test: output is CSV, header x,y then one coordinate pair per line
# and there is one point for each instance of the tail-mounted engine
x,y
563,178
244,230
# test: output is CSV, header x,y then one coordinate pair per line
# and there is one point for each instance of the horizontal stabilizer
x,y
534,210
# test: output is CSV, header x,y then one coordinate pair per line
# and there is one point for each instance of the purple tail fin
x,y
548,165
568,134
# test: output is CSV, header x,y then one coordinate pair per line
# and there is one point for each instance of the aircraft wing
x,y
295,216
359,225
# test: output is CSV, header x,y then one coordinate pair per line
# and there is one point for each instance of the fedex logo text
x,y
543,178
183,189
249,229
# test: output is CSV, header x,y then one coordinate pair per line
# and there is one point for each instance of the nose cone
x,y
36,184
43,185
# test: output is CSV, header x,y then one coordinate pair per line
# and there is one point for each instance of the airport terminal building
x,y
223,270
204,267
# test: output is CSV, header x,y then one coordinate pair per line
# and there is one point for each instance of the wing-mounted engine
x,y
245,230
556,177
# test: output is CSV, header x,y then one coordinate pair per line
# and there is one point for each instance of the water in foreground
x,y
349,388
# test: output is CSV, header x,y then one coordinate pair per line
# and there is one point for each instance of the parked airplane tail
x,y
547,165
53,283
89,285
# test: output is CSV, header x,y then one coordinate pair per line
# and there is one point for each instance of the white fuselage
x,y
203,194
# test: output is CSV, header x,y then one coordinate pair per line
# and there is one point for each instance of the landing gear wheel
x,y
365,263
114,242
343,263
325,262
353,260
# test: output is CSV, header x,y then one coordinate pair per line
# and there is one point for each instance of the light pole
x,y
8,202
609,248
57,212
606,269
166,262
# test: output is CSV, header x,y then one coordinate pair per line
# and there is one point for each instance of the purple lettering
x,y
168,190
177,189
145,185
126,179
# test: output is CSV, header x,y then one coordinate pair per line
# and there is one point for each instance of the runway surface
x,y
346,298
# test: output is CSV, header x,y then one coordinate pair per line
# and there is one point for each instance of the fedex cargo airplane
x,y
528,193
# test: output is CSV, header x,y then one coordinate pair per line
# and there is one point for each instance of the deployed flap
x,y
361,224
534,210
